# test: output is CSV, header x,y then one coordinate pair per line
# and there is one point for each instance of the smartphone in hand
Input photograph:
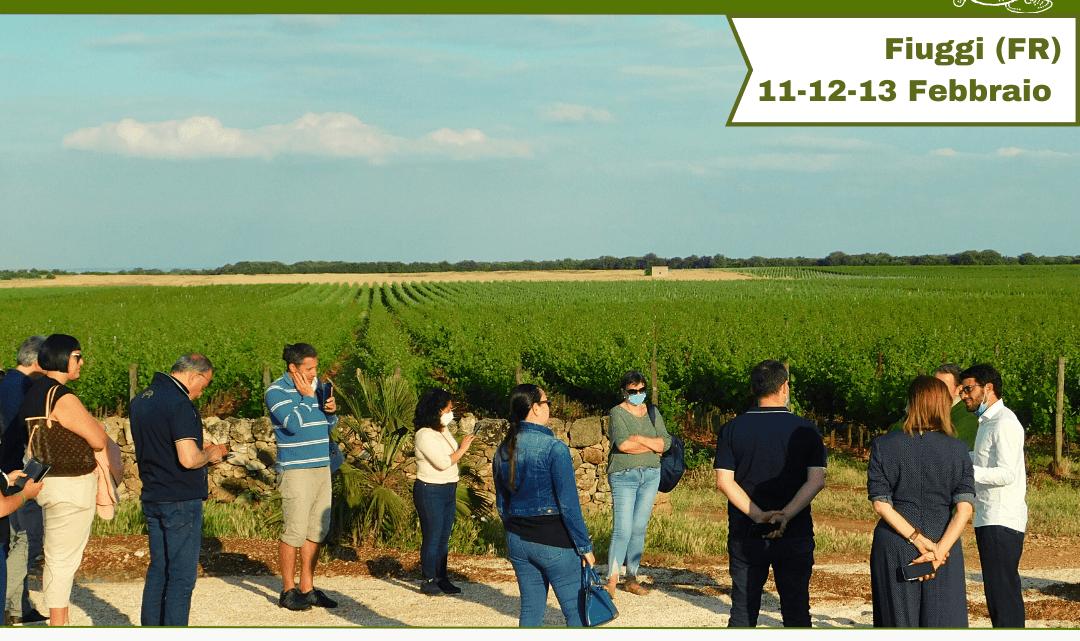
x,y
759,530
918,570
34,470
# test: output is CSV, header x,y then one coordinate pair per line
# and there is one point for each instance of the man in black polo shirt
x,y
770,464
168,436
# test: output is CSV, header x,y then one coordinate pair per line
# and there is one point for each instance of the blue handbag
x,y
597,606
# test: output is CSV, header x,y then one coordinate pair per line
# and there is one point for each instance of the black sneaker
x,y
431,588
447,587
318,598
33,616
293,600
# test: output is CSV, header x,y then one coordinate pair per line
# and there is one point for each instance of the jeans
x,y
999,553
632,494
792,561
26,542
436,505
175,540
537,566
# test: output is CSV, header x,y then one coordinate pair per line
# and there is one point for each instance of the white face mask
x,y
447,418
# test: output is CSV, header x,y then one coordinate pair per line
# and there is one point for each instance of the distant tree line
x,y
986,257
970,257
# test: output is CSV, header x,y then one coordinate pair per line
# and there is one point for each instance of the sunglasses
x,y
76,355
635,390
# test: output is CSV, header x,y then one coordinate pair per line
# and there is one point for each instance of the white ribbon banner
x,y
907,70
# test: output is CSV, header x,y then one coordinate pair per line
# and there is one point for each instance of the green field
x,y
853,337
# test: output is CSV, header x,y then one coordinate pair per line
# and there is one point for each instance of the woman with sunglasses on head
x,y
68,496
435,490
536,494
916,479
634,476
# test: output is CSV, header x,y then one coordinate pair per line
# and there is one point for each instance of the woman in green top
x,y
634,476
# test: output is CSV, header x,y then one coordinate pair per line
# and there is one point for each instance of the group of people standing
x,y
924,482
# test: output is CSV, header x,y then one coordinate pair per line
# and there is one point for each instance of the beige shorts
x,y
305,505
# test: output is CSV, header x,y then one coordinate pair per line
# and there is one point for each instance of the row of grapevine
x,y
242,328
853,343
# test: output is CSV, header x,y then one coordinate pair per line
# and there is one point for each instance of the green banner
x,y
936,8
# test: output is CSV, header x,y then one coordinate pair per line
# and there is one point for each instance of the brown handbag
x,y
55,445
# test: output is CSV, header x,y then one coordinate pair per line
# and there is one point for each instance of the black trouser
x,y
792,561
999,553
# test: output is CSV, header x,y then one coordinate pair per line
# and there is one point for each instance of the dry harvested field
x,y
171,280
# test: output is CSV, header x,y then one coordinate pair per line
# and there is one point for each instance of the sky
x,y
167,142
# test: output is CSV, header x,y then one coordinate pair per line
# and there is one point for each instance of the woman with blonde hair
x,y
915,479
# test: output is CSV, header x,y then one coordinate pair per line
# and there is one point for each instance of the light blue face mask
x,y
982,408
637,399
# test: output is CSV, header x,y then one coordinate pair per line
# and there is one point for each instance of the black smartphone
x,y
917,570
328,389
34,469
759,530
477,428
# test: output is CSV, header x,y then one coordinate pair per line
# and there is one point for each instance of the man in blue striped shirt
x,y
302,427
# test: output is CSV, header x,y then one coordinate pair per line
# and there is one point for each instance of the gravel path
x,y
681,598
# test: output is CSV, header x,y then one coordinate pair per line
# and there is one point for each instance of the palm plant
x,y
373,488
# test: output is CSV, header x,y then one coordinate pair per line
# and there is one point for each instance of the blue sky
x,y
195,141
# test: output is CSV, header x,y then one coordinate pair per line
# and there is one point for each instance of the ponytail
x,y
522,398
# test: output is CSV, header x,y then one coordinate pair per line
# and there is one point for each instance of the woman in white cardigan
x,y
435,490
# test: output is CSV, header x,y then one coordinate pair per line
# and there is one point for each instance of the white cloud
x,y
562,112
1005,152
329,134
826,142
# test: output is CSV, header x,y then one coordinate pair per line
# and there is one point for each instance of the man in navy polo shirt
x,y
770,463
172,461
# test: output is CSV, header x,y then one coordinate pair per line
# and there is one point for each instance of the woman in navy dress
x,y
915,479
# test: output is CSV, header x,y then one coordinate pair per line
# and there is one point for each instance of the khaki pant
x,y
68,505
305,505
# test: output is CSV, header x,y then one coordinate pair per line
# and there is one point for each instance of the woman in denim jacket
x,y
537,497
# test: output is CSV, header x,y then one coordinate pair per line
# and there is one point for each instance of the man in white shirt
x,y
1000,487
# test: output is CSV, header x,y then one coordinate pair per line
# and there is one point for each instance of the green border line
x,y
750,70
777,8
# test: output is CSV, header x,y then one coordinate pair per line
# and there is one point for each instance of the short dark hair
x,y
296,353
983,373
56,351
950,368
767,378
192,363
633,377
430,407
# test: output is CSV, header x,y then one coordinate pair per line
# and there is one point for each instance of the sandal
x,y
611,585
633,587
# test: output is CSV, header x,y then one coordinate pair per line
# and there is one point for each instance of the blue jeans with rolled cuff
x,y
537,566
436,505
633,492
175,531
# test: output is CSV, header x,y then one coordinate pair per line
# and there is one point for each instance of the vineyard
x,y
853,337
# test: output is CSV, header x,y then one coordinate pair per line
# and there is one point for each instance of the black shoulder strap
x,y
652,412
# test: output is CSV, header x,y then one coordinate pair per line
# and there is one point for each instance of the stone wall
x,y
251,470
